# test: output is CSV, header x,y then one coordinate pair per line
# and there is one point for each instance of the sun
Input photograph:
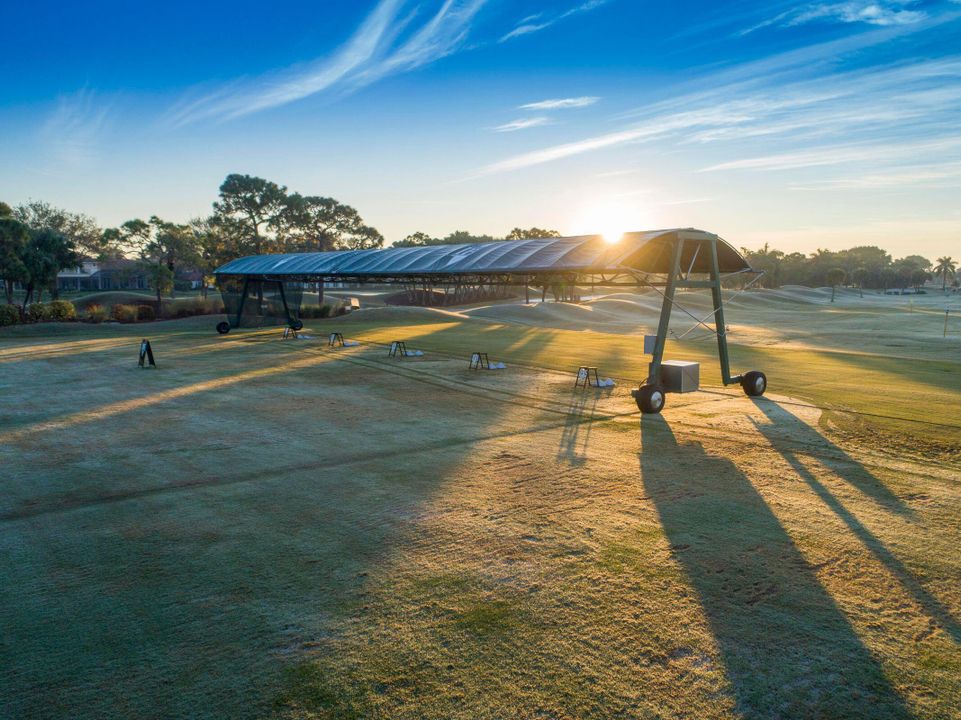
x,y
609,219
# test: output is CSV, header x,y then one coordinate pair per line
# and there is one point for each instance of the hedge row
x,y
323,311
54,311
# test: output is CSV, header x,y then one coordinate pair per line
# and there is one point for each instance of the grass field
x,y
266,528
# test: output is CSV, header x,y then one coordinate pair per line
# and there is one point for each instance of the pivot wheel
x,y
650,399
223,328
297,325
754,383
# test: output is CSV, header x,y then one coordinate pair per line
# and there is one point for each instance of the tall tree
x,y
945,267
317,224
256,206
14,236
82,230
46,253
161,243
531,234
173,246
416,239
835,277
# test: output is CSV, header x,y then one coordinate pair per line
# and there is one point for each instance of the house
x,y
118,274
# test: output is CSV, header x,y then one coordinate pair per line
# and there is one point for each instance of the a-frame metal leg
x,y
720,328
654,372
243,299
283,299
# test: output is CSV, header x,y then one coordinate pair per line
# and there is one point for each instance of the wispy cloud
x,y
71,134
798,100
899,177
388,42
841,155
560,103
522,124
535,23
872,12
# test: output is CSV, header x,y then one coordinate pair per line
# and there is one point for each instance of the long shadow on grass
x,y
786,646
190,603
576,433
782,421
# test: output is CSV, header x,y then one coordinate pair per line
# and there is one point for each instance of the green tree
x,y
416,239
81,230
158,242
255,207
835,277
46,253
14,236
531,234
317,224
767,261
945,268
174,246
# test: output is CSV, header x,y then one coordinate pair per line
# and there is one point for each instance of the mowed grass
x,y
264,528
899,403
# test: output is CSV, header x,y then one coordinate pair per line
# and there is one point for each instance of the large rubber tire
x,y
297,325
223,327
650,399
754,383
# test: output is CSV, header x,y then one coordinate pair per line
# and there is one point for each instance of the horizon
x,y
800,125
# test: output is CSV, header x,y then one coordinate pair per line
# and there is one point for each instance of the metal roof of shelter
x,y
645,252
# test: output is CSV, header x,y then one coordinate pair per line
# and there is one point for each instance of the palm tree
x,y
946,266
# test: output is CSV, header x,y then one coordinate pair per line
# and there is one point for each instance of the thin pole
x,y
654,374
719,326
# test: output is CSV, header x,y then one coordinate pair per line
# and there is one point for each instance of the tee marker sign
x,y
146,353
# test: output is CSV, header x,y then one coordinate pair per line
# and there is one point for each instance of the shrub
x,y
61,310
189,308
97,313
322,311
37,312
9,315
125,313
145,313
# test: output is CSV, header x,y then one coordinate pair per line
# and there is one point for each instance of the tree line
x,y
866,266
251,216
254,216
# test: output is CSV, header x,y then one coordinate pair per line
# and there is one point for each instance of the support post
x,y
720,328
243,299
654,372
283,299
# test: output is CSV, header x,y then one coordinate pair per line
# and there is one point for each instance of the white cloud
x,y
524,29
72,133
376,50
914,174
560,103
796,100
522,124
871,12
528,26
839,155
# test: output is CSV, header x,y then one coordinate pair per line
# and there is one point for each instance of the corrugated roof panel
x,y
642,251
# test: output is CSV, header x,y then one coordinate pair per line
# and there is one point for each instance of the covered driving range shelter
x,y
268,288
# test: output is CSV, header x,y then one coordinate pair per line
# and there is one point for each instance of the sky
x,y
802,125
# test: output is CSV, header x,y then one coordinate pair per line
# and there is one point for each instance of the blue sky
x,y
804,125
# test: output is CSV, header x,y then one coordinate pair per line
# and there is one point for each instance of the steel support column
x,y
654,369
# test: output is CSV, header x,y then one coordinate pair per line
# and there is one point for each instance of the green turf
x,y
265,528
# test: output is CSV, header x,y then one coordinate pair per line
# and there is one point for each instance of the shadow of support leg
x,y
787,647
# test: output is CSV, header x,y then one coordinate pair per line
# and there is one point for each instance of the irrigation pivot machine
x,y
264,289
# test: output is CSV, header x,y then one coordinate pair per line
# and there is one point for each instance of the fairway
x,y
263,528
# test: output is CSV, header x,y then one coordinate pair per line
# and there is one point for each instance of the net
x,y
254,302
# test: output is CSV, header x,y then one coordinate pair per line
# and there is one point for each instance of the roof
x,y
640,251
